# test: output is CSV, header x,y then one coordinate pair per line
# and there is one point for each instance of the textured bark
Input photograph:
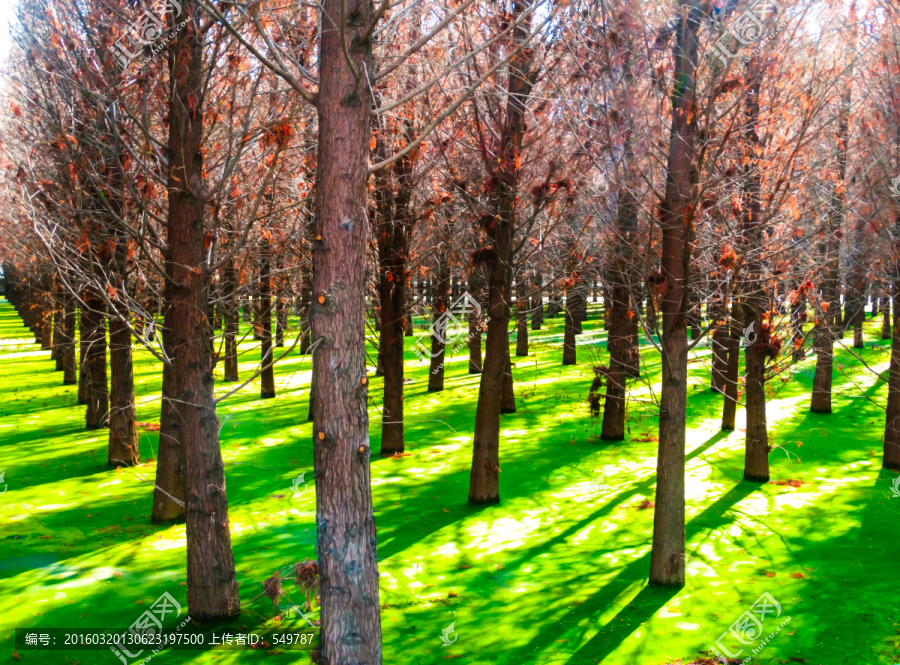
x,y
123,434
97,392
484,478
570,354
348,561
267,358
507,392
756,453
667,565
212,592
70,370
828,316
733,343
395,219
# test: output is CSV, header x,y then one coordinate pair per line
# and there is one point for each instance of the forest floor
x,y
555,573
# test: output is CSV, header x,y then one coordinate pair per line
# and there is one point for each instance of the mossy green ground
x,y
556,573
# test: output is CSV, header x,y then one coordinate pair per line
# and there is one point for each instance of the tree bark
x,y
886,315
212,592
756,451
347,556
733,343
484,478
267,358
70,370
570,354
83,377
667,565
97,393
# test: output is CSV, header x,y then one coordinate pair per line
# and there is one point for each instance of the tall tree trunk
x,y
827,323
484,478
570,356
97,415
667,565
348,561
891,454
886,314
756,452
70,370
733,343
267,376
212,592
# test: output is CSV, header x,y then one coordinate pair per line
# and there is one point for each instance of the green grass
x,y
555,573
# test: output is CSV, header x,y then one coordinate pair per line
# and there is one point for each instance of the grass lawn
x,y
555,573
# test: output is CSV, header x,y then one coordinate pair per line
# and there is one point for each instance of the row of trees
x,y
170,171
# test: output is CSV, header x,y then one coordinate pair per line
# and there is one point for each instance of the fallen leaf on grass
x,y
646,503
152,427
798,576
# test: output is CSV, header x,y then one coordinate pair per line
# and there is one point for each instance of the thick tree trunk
x,y
123,434
212,592
267,357
95,360
756,454
667,564
507,392
347,555
70,370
